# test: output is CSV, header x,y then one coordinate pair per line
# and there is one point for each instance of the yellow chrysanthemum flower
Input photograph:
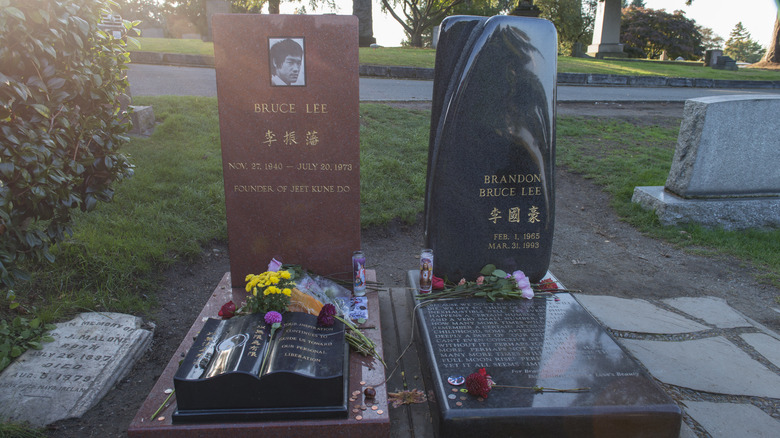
x,y
274,280
285,275
248,276
287,291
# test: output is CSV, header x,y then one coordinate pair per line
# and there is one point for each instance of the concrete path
x,y
721,368
155,80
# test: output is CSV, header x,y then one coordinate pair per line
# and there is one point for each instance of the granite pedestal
x,y
363,372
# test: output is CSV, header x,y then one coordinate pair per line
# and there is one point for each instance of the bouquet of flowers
x,y
289,288
492,284
270,291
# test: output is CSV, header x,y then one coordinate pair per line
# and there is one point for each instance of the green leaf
x,y
499,273
42,110
13,305
16,351
35,345
35,323
10,10
488,269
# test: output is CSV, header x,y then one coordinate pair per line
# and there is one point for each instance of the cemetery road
x,y
155,80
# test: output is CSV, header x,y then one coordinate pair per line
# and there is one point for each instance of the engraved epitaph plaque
x,y
288,112
490,194
537,343
236,371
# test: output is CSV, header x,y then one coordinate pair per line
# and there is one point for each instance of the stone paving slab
x,y
711,310
767,346
711,364
729,420
638,316
90,353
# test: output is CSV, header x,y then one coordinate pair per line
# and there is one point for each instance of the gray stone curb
x,y
399,72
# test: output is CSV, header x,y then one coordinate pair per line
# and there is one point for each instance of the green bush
x,y
61,122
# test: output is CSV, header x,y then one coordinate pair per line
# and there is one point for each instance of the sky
x,y
758,17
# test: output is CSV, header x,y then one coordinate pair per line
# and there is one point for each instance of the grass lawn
x,y
414,57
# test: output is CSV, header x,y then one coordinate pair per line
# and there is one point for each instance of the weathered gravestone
x,y
288,112
724,172
90,354
490,200
490,181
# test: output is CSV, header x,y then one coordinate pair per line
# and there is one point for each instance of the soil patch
x,y
592,251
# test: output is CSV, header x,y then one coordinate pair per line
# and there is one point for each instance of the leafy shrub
x,y
61,122
20,335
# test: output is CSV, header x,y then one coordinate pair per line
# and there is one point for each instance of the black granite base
x,y
529,344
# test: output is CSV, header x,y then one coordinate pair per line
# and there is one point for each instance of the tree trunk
x,y
773,52
273,6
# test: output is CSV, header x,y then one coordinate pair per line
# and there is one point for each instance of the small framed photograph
x,y
286,61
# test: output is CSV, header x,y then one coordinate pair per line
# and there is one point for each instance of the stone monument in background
x,y
724,172
362,10
490,195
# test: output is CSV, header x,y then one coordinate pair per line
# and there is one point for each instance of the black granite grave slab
x,y
490,193
537,343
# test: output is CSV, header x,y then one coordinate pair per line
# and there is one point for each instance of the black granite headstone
x,y
537,343
236,371
490,193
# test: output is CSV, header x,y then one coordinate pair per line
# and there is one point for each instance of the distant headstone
x,y
711,57
664,56
490,194
143,120
90,354
725,63
288,110
724,171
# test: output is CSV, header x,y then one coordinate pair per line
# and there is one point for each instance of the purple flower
x,y
273,317
524,284
274,265
326,316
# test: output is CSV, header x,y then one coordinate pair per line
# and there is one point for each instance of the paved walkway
x,y
722,368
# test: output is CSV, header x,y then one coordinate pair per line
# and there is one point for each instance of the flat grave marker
x,y
89,354
538,343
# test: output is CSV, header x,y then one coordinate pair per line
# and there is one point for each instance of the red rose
x,y
548,284
437,283
228,310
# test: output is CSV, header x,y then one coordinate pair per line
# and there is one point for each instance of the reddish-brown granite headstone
x,y
288,115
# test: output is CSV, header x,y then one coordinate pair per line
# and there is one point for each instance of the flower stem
x,y
358,341
162,405
544,389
